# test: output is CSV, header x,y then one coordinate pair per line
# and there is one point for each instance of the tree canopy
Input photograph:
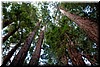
x,y
59,31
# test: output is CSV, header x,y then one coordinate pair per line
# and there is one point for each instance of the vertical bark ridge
x,y
64,60
75,56
7,58
36,55
19,58
90,27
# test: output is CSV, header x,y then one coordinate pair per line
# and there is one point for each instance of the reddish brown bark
x,y
90,27
9,34
92,61
64,60
36,55
19,58
6,23
75,56
7,58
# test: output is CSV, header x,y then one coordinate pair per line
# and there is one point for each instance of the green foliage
x,y
26,15
77,8
22,15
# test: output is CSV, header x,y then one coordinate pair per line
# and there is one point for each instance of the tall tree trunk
x,y
6,23
36,55
9,34
7,58
75,56
93,61
19,58
90,27
64,60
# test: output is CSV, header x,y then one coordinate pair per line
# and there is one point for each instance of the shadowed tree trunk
x,y
6,23
64,60
19,58
92,61
90,27
7,58
36,55
75,56
9,34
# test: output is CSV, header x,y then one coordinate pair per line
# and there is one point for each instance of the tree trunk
x,y
89,58
75,56
6,23
9,34
19,58
64,60
36,55
90,27
7,58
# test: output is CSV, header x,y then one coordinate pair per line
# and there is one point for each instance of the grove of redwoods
x,y
50,33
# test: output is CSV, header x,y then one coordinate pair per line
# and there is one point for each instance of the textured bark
x,y
9,34
6,23
75,56
36,55
7,58
64,60
19,58
90,27
89,58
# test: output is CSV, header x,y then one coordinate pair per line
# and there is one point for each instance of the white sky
x,y
33,1
0,38
86,61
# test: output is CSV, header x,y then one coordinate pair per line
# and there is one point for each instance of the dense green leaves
x,y
26,15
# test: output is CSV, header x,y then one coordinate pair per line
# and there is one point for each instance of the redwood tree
x,y
19,58
7,58
36,55
64,60
90,27
9,34
75,56
6,23
88,56
55,43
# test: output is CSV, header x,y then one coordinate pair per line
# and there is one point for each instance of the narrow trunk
x,y
64,60
7,58
93,61
6,23
9,34
19,58
90,27
75,56
36,55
